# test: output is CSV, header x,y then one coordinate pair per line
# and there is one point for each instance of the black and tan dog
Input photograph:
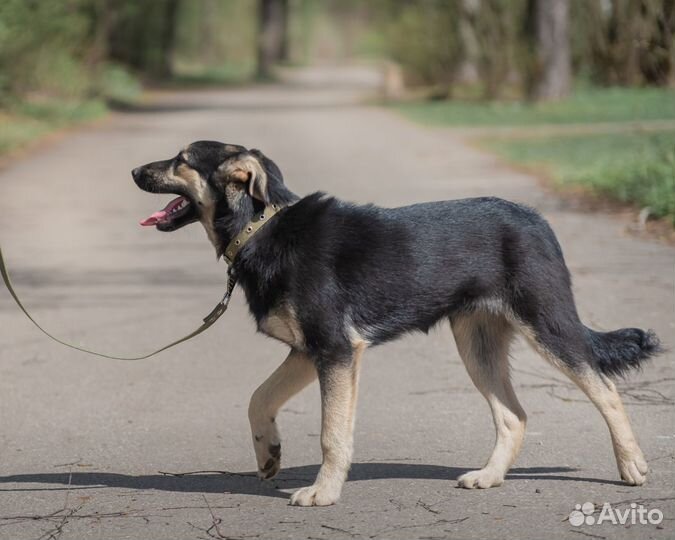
x,y
331,279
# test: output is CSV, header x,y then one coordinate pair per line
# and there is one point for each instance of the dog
x,y
330,279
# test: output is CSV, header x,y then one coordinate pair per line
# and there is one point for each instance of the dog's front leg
x,y
296,372
339,388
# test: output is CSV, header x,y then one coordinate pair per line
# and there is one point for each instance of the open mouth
x,y
177,213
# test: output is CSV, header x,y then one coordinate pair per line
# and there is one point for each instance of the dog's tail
x,y
616,353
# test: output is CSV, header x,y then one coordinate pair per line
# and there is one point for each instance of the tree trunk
x,y
553,50
272,17
104,16
168,38
284,45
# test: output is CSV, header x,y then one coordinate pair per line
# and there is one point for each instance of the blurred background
x,y
490,63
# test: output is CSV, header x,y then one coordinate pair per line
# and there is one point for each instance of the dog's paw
x,y
315,495
633,468
483,478
272,465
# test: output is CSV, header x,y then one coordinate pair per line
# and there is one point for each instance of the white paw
x,y
267,446
483,478
315,495
269,461
633,468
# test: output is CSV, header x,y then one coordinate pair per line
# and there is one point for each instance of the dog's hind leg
x,y
339,388
603,394
483,341
294,374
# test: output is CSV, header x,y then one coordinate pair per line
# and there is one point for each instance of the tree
x,y
272,35
492,25
168,38
424,38
553,65
630,42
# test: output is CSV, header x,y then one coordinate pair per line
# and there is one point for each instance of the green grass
x,y
224,75
50,106
115,84
26,121
636,168
584,106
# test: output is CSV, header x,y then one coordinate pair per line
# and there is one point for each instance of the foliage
x,y
215,40
613,42
497,27
40,47
424,37
75,49
140,34
630,167
628,42
116,84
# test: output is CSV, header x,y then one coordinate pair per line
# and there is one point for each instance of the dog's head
x,y
214,182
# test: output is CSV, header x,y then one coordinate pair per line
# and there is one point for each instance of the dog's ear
x,y
255,170
271,169
247,169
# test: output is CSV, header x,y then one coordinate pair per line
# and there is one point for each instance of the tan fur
x,y
281,323
294,374
601,391
338,406
355,337
603,394
240,175
246,169
483,340
202,194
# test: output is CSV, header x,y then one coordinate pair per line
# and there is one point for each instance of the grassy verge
x,y
634,168
191,76
30,117
585,106
630,167
24,122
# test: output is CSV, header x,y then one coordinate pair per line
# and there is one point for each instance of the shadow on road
x,y
248,484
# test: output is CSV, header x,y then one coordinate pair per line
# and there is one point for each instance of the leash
x,y
231,251
211,318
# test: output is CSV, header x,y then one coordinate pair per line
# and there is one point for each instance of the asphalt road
x,y
161,449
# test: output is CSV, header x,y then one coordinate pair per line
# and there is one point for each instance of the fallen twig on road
x,y
214,520
53,534
432,524
181,474
426,506
588,534
338,529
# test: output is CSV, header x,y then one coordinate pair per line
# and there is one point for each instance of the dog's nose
x,y
136,173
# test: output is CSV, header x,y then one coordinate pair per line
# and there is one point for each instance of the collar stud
x,y
248,232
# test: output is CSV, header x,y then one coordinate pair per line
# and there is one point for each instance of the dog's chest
x,y
281,323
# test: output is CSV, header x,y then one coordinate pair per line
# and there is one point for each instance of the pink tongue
x,y
162,214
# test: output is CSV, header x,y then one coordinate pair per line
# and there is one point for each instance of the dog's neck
x,y
228,224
